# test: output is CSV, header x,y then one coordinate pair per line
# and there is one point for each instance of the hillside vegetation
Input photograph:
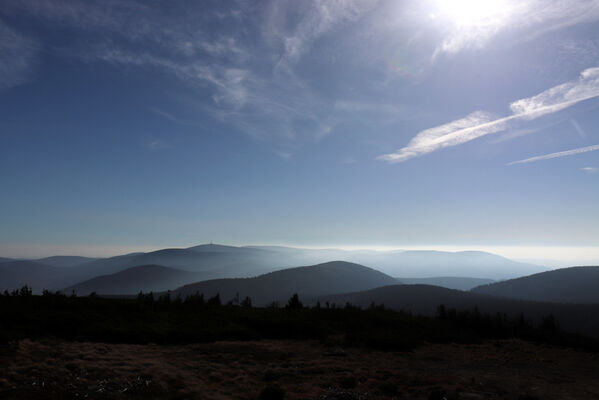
x,y
196,319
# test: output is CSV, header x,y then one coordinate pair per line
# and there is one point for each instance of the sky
x,y
357,124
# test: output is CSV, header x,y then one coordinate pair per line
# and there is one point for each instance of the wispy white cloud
x,y
320,17
174,118
590,170
559,97
557,155
453,133
285,155
519,132
229,84
368,107
528,19
578,129
243,90
156,144
481,123
247,75
17,54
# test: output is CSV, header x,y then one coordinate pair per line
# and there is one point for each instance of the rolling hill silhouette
x,y
16,274
428,264
65,261
146,278
330,277
565,285
419,263
424,300
213,260
449,282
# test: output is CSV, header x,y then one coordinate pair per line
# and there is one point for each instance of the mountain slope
x,y
147,278
449,282
565,285
425,264
331,277
418,263
214,260
219,261
424,299
16,274
64,261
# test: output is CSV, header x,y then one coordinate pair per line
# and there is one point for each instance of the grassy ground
x,y
506,369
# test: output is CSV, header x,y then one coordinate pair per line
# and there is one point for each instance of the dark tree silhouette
x,y
215,301
247,302
294,303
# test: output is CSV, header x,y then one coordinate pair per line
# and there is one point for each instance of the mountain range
x,y
565,285
212,261
327,278
145,278
271,274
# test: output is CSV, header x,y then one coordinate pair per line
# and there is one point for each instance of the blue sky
x,y
133,125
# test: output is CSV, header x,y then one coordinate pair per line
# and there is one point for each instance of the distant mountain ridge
x,y
449,282
565,285
326,278
215,261
65,261
146,278
432,263
16,274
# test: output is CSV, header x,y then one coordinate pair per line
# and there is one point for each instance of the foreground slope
x,y
425,299
146,278
327,278
565,285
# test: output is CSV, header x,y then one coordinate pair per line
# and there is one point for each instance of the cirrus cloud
x,y
480,123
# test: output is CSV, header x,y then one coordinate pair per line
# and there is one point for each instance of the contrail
x,y
558,154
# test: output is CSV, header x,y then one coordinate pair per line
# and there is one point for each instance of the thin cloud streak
x,y
322,16
590,170
16,57
557,155
481,123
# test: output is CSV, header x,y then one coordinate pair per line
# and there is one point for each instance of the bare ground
x,y
55,369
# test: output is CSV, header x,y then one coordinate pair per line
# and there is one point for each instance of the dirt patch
x,y
54,369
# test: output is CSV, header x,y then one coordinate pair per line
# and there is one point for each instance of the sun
x,y
471,13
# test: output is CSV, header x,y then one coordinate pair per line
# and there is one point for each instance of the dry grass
x,y
53,369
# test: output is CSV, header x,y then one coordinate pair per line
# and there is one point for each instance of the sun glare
x,y
469,13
